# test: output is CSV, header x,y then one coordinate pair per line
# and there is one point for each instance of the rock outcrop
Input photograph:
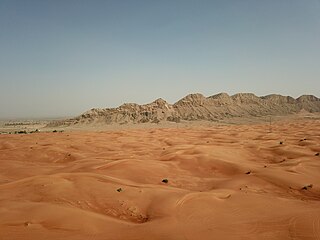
x,y
198,107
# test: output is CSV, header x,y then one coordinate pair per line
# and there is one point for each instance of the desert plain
x,y
243,181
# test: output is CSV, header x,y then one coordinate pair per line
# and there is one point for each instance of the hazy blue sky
x,y
63,57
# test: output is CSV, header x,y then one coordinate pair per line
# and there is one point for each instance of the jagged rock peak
x,y
160,102
220,99
93,111
246,98
220,96
129,105
277,98
307,98
198,107
244,95
192,99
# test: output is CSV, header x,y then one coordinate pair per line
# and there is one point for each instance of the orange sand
x,y
64,185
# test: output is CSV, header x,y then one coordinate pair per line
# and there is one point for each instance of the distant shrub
x,y
21,132
35,131
165,180
307,186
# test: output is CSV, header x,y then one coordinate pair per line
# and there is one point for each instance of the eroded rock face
x,y
278,99
308,98
198,107
190,100
246,98
220,99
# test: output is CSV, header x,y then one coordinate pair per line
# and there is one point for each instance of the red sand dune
x,y
224,182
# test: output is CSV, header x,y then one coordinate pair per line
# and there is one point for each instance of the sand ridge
x,y
224,182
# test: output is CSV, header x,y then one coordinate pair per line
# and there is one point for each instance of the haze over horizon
x,y
63,58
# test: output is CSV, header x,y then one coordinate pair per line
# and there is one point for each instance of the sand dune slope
x,y
224,182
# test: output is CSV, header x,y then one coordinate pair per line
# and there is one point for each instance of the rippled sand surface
x,y
222,182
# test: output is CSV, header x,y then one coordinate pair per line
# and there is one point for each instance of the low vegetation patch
x,y
20,132
55,131
165,180
307,187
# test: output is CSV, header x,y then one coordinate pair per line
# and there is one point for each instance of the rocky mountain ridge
x,y
198,107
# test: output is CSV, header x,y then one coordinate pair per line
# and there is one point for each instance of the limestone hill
x,y
198,107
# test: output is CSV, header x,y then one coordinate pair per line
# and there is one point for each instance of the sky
x,y
61,58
